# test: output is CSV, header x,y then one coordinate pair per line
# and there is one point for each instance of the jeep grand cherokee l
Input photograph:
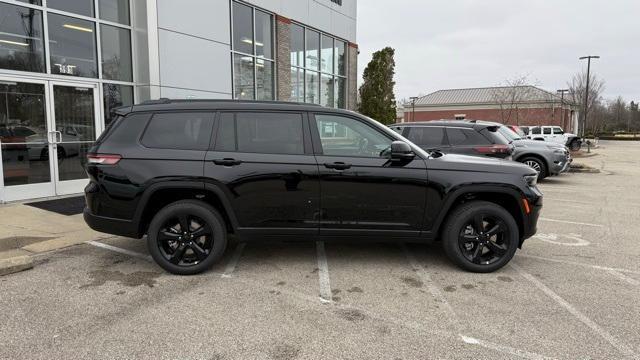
x,y
189,173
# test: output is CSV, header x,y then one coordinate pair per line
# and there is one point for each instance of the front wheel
x,y
187,237
575,145
480,236
536,164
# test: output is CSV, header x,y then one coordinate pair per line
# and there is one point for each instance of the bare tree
x,y
510,96
577,91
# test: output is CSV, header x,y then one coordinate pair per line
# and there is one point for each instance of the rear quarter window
x,y
463,137
427,137
179,131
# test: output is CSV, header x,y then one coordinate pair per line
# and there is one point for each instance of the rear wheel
x,y
536,164
187,237
480,236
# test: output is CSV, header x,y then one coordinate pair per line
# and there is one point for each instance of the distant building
x,y
518,105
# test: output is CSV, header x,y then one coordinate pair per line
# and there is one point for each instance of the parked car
x,y
188,173
555,134
466,137
546,158
517,130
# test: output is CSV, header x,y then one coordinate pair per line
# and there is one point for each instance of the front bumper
x,y
530,224
561,164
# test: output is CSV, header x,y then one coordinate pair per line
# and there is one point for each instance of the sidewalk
x,y
26,230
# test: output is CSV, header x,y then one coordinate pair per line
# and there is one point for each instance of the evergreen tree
x,y
376,93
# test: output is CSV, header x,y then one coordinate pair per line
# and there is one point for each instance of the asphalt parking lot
x,y
572,292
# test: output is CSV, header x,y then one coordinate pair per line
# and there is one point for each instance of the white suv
x,y
555,134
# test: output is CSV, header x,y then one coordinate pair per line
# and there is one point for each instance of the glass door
x,y
74,126
25,140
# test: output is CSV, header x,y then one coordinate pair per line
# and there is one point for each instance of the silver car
x,y
545,157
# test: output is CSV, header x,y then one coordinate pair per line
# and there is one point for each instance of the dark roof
x,y
221,104
487,95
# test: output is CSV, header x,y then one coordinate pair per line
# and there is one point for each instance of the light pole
x,y
562,111
413,105
586,95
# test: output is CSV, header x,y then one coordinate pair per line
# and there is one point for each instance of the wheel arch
x,y
162,194
534,155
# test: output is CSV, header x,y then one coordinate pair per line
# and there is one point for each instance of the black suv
x,y
189,173
457,137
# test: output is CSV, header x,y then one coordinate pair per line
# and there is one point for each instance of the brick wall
x,y
532,116
283,67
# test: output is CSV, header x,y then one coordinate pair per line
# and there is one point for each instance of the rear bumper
x,y
111,226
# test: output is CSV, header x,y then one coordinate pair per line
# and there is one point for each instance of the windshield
x,y
509,134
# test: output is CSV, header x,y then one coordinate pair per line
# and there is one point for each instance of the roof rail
x,y
169,101
157,101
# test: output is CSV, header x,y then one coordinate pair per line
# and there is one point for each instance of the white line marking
x,y
502,348
624,277
233,262
568,201
323,273
620,346
553,239
570,222
120,250
580,264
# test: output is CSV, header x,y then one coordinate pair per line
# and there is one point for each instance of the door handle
x,y
337,166
227,162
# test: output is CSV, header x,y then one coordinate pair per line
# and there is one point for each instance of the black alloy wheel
x,y
480,236
187,237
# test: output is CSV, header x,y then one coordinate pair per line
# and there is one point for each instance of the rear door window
x,y
546,131
261,132
536,131
179,131
466,137
427,137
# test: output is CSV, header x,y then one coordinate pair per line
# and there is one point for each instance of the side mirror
x,y
401,151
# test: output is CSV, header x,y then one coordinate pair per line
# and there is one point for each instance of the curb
x,y
15,264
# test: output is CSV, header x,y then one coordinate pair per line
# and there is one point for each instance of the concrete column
x,y
352,77
283,58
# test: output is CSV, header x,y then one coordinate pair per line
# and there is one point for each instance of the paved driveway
x,y
572,292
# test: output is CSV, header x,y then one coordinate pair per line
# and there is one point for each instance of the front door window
x,y
343,136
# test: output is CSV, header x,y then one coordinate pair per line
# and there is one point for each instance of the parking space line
x,y
619,345
323,273
233,262
570,222
120,250
502,348
625,278
598,267
568,201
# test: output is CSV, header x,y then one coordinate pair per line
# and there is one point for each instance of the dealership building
x,y
65,64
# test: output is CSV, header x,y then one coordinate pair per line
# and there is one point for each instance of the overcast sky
x,y
477,43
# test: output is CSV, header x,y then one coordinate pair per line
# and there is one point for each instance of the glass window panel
x,y
74,113
243,78
22,113
114,10
427,137
297,45
116,53
462,137
342,136
264,79
264,35
25,164
340,93
270,133
242,28
32,2
313,49
21,39
73,46
297,85
341,60
312,87
182,131
82,7
327,89
226,136
115,96
326,55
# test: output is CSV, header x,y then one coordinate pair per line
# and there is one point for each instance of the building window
x,y
72,46
80,7
116,53
115,10
21,39
114,96
252,53
318,68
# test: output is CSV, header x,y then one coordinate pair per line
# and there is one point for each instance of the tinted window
x,y
184,131
546,131
557,131
466,137
269,133
21,43
226,135
342,136
429,137
535,130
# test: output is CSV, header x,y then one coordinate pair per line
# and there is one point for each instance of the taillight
x,y
103,159
494,149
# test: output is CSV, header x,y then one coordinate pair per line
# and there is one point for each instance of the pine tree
x,y
376,93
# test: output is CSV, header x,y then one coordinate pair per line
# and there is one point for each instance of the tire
x,y
461,241
184,252
536,164
575,145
